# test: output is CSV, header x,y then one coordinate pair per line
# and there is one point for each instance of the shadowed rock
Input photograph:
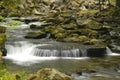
x,y
96,52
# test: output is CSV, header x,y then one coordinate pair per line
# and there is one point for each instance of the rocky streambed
x,y
96,68
73,27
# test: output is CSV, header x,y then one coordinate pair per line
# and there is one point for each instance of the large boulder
x,y
49,74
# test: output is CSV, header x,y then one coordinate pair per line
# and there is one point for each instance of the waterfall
x,y
57,52
24,51
110,53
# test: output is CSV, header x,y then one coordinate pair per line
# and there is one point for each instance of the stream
x,y
30,55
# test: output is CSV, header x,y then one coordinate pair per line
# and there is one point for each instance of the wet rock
x,y
50,74
28,19
4,51
96,52
35,27
79,73
115,48
46,24
35,35
91,71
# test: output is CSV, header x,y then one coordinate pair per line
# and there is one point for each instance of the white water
x,y
110,53
26,53
23,52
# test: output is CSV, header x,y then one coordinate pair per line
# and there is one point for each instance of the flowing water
x,y
34,54
21,50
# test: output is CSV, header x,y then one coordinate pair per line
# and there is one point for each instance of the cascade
x,y
24,51
24,48
57,52
30,50
110,53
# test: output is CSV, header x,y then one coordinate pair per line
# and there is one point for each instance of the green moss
x,y
88,32
81,39
6,75
13,24
60,36
2,39
96,42
69,26
58,29
1,18
91,24
89,12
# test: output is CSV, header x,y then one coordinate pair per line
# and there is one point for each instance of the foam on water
x,y
110,53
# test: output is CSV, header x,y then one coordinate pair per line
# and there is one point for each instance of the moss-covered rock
x,y
70,26
2,39
81,39
96,42
58,29
0,56
88,32
60,36
49,29
35,35
91,24
49,74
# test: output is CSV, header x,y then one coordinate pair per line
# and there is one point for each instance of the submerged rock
x,y
49,74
